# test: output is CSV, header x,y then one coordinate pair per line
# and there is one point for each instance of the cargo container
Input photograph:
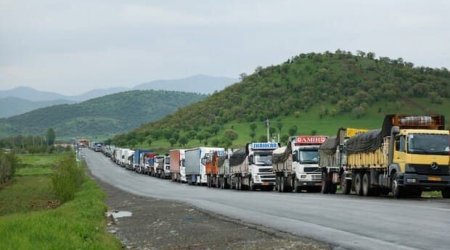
x,y
408,155
297,165
176,165
195,169
332,160
251,167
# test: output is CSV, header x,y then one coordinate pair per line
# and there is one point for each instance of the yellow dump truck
x,y
332,160
408,155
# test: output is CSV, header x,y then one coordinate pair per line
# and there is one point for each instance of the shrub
x,y
8,165
67,178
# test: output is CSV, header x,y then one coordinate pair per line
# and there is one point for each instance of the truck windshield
x,y
310,156
428,144
263,159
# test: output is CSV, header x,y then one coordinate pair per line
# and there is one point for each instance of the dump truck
x,y
213,162
408,155
195,168
297,165
251,167
176,165
332,160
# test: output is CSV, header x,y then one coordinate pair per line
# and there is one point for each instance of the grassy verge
x,y
76,224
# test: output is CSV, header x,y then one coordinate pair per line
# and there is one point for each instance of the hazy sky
x,y
74,46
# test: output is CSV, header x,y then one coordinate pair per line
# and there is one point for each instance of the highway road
x,y
346,222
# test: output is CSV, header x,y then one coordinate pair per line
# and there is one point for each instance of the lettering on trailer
x,y
264,145
310,140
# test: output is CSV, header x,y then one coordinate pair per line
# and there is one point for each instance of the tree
x,y
253,127
279,126
262,138
215,142
172,141
293,130
183,141
149,141
252,135
231,134
51,136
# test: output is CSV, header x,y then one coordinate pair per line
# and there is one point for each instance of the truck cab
x,y
305,161
259,161
166,167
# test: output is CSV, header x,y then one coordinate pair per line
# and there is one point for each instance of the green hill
x,y
317,93
99,117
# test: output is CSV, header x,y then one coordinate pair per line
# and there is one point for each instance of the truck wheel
x,y
358,184
346,185
446,193
238,183
250,184
296,187
282,184
366,185
325,186
396,190
333,188
277,184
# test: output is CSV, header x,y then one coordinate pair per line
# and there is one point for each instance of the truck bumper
x,y
426,182
309,183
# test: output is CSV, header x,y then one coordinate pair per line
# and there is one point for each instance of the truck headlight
x,y
411,180
303,176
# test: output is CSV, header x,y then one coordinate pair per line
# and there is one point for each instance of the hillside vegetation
x,y
309,93
101,116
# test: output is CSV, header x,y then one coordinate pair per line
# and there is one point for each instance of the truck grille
x,y
311,169
265,170
427,169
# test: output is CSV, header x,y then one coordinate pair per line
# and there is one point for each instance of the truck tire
x,y
333,188
251,186
282,184
446,193
296,188
239,184
325,186
346,185
358,184
396,190
366,186
277,184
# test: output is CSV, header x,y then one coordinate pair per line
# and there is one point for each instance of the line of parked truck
x,y
408,155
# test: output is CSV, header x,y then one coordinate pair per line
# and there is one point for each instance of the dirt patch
x,y
161,224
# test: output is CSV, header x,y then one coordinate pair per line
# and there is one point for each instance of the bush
x,y
8,165
67,178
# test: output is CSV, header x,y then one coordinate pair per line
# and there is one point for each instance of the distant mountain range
x,y
24,99
11,106
102,116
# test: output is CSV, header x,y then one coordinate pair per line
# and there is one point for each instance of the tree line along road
x,y
348,222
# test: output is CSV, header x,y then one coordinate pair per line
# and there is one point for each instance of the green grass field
x,y
29,219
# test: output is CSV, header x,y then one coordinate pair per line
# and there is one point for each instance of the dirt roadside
x,y
161,224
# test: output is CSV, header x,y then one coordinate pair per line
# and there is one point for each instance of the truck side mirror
x,y
295,156
250,159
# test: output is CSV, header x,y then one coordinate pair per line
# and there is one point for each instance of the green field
x,y
31,217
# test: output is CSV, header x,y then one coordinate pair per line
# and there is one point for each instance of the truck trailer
x,y
195,168
408,155
297,165
177,165
332,160
251,167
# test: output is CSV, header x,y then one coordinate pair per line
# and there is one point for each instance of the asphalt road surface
x,y
347,222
